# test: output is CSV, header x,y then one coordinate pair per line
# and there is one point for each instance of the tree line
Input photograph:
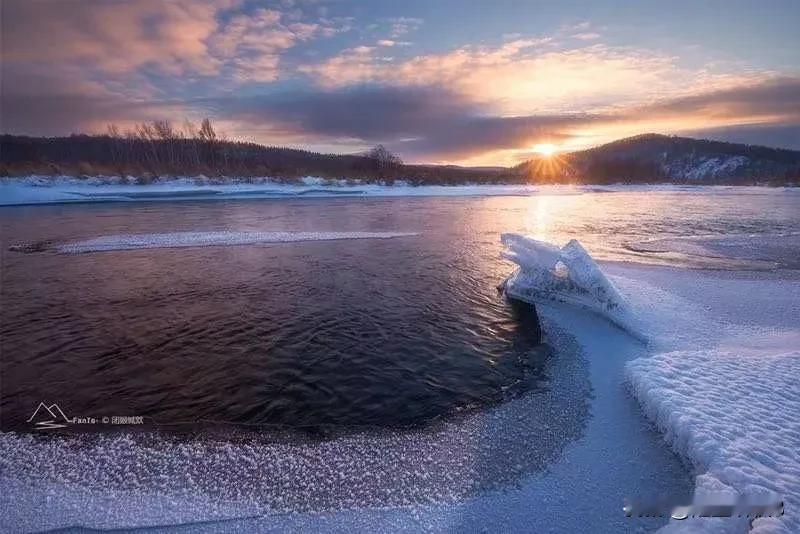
x,y
161,148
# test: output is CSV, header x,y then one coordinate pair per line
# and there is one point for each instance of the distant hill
x,y
653,158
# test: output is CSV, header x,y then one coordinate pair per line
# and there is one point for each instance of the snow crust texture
x,y
734,414
204,239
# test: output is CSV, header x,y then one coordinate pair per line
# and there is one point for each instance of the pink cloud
x,y
115,36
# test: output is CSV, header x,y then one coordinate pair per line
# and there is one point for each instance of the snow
x,y
705,167
734,413
721,387
39,190
65,189
205,239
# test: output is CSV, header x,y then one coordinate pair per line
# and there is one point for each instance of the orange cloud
x,y
530,75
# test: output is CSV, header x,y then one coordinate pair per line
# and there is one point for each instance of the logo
x,y
52,417
49,417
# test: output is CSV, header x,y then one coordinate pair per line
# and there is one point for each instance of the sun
x,y
545,149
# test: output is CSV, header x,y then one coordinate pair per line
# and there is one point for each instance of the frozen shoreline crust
x,y
732,410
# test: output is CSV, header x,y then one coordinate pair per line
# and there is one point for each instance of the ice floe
x,y
567,274
206,239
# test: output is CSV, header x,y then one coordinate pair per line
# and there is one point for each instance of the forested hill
x,y
653,158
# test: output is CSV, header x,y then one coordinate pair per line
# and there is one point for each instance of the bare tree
x,y
164,131
385,159
208,139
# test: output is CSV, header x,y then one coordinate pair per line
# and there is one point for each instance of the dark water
x,y
350,333
355,332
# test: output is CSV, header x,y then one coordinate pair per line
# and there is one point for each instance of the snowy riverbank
x,y
65,189
721,386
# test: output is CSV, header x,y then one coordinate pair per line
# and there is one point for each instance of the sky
x,y
450,81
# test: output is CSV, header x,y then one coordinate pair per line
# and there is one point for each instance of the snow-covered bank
x,y
722,388
49,190
735,413
36,190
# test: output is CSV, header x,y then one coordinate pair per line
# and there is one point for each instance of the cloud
x,y
776,99
390,42
527,75
48,114
400,26
780,136
113,36
253,43
160,46
74,66
435,124
423,123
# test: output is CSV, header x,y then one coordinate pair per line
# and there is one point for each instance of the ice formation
x,y
204,239
567,274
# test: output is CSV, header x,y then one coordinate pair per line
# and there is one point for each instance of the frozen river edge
x,y
729,404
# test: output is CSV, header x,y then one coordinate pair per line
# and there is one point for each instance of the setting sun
x,y
545,149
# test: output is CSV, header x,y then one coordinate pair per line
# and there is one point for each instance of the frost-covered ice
x,y
753,250
567,274
205,239
723,383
